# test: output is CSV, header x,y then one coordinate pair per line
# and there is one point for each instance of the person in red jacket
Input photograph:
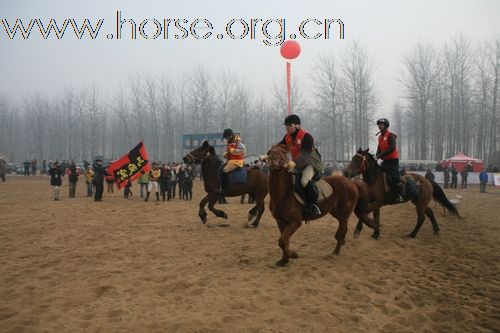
x,y
306,159
389,155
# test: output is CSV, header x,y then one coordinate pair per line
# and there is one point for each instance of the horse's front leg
x,y
201,212
211,203
376,217
287,230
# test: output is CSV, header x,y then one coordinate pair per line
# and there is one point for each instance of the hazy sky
x,y
387,28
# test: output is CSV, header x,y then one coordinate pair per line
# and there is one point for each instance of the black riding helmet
x,y
384,121
292,119
227,133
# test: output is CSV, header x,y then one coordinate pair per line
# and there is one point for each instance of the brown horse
x,y
288,212
373,184
256,185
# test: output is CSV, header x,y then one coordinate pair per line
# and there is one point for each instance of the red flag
x,y
130,166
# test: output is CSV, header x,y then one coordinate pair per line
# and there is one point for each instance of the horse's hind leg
x,y
340,234
358,229
430,215
259,208
420,221
217,212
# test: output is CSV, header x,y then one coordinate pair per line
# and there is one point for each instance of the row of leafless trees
x,y
451,105
81,124
451,100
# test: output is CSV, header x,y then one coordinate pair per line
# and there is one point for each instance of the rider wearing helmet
x,y
306,158
235,154
388,153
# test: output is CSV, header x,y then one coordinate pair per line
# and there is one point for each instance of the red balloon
x,y
290,49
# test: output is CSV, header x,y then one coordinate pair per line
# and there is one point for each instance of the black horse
x,y
256,185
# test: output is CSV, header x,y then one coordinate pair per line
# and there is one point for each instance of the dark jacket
x,y
55,176
99,173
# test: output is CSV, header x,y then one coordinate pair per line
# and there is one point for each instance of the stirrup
x,y
315,211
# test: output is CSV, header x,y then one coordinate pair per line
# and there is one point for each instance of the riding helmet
x,y
384,121
227,133
292,119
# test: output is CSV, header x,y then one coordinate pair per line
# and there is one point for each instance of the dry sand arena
x,y
126,265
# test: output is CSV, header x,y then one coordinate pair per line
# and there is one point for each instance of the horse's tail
x,y
440,197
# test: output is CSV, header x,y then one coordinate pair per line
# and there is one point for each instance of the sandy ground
x,y
126,265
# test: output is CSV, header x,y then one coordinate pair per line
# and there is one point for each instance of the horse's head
x,y
277,157
360,162
199,154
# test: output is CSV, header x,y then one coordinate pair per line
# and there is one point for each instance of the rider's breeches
x,y
307,175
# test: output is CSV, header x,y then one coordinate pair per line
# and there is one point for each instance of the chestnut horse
x,y
256,185
288,212
373,178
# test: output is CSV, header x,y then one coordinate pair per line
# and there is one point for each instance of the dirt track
x,y
127,265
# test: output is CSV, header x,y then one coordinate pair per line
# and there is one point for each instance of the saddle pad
x,y
324,189
238,176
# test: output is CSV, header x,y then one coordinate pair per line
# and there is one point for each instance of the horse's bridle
x,y
364,163
277,165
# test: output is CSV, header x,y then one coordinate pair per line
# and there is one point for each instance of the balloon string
x,y
288,84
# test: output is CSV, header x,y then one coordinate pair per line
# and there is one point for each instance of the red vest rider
x,y
301,145
388,153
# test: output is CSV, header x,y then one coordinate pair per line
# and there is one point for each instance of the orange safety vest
x,y
295,146
383,145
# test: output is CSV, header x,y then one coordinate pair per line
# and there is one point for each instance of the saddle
x,y
324,189
411,187
237,176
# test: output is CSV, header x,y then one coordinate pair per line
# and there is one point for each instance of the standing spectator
x,y
85,164
33,167
429,175
173,180
64,166
127,191
143,183
446,177
154,177
165,182
469,167
187,188
89,175
464,174
44,167
2,169
99,173
110,184
181,177
55,179
454,178
27,165
483,181
73,174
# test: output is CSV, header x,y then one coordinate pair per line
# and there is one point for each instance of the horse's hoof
x,y
375,236
281,263
411,236
294,255
436,232
254,225
203,220
356,234
224,216
251,217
